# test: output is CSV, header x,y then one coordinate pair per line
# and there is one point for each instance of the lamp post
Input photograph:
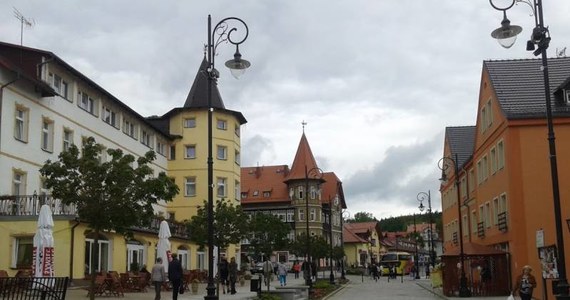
x,y
221,33
342,273
540,38
444,164
421,197
316,174
416,259
331,276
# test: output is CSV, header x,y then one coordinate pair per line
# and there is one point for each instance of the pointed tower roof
x,y
198,95
304,157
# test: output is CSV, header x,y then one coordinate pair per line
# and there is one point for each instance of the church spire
x,y
198,95
303,158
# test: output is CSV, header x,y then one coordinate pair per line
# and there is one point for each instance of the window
x,y
222,152
22,252
146,138
100,253
483,119
130,129
222,124
485,165
266,194
58,84
313,192
221,187
190,186
172,152
18,183
237,158
481,214
160,147
67,138
465,228
487,214
495,211
313,214
200,258
21,124
190,123
479,172
493,160
237,189
500,155
190,151
473,221
300,189
301,215
471,180
183,257
47,135
86,103
110,117
237,130
290,216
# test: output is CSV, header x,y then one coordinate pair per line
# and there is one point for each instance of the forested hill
x,y
394,224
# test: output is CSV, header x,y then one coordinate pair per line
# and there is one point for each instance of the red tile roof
x,y
257,180
304,160
350,236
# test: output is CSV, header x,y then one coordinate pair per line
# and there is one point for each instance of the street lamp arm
x,y
224,32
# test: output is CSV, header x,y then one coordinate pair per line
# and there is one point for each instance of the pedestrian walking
x,y
296,269
233,273
223,273
375,272
268,272
158,277
175,275
282,273
525,283
306,267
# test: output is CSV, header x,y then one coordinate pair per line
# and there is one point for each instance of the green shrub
x,y
322,284
265,296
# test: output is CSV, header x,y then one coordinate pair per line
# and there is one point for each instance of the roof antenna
x,y
23,20
561,52
303,123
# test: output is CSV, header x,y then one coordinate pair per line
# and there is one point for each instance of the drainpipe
x,y
77,222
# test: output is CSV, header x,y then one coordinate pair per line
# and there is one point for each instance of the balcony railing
x,y
455,238
29,206
502,221
481,229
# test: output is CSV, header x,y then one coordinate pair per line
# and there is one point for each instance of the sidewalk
x,y
243,293
426,284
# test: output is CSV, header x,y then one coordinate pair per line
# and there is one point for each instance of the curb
x,y
336,291
431,291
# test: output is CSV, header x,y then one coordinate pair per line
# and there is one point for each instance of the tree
x,y
267,233
110,195
361,217
230,225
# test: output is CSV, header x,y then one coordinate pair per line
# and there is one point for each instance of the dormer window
x,y
567,97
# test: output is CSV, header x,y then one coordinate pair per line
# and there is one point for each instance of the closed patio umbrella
x,y
43,252
163,247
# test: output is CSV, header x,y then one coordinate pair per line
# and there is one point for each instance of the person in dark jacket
x,y
223,273
233,273
175,275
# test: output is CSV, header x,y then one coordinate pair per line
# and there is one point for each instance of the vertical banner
x,y
35,261
47,262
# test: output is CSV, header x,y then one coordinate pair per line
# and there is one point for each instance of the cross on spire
x,y
303,123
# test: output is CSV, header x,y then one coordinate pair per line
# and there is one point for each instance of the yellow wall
x,y
352,252
183,206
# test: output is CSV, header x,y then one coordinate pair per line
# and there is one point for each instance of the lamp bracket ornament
x,y
224,33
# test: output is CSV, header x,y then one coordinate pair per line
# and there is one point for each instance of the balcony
x,y
455,238
18,207
502,222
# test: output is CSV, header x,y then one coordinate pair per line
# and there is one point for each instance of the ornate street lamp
x,y
416,259
220,34
342,217
540,38
315,174
444,164
331,276
421,197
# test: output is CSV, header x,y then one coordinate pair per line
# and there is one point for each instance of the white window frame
x,y
184,258
222,124
130,128
16,245
88,248
237,189
110,117
301,214
495,211
500,155
200,260
46,141
67,138
221,187
19,181
86,102
190,151
189,123
21,120
146,138
190,186
237,158
237,130
313,215
160,147
222,152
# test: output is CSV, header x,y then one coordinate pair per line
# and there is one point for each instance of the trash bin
x,y
254,285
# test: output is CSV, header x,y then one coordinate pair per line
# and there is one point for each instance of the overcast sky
x,y
377,81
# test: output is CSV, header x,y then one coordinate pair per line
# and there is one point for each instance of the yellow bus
x,y
398,259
